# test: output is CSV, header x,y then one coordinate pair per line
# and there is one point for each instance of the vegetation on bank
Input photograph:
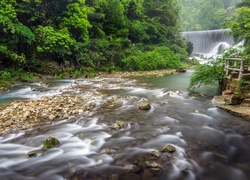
x,y
77,38
214,70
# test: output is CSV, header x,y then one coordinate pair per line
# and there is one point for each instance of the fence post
x,y
241,68
227,66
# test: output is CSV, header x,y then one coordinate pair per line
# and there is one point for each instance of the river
x,y
209,143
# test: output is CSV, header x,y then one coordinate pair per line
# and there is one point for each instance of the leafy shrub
x,y
5,75
60,76
161,57
213,70
182,53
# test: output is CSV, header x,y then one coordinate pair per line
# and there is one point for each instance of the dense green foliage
x,y
42,35
213,71
160,57
240,24
204,14
210,72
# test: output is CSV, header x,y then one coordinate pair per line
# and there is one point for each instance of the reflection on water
x,y
209,143
178,82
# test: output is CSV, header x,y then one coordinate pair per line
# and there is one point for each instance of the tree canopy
x,y
87,33
204,14
241,24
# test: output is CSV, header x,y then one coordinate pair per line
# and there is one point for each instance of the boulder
x,y
50,142
227,92
144,106
118,125
168,148
181,70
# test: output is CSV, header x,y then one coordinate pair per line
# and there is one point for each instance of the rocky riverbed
x,y
72,102
23,115
118,128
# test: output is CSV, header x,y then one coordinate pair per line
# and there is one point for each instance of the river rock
x,y
181,70
152,164
144,106
184,169
155,153
168,148
118,125
50,142
154,167
131,168
179,134
34,153
227,92
52,117
105,151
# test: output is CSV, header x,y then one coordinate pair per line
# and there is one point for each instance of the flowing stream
x,y
209,142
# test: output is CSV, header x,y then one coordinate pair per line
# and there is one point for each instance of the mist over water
x,y
210,143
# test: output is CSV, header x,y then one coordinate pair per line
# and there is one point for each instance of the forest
x,y
77,38
206,15
65,37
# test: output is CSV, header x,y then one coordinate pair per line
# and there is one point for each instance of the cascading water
x,y
209,43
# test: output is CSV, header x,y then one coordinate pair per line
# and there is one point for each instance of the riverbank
x,y
238,110
126,74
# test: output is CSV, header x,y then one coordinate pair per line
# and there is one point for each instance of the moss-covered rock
x,y
168,148
50,142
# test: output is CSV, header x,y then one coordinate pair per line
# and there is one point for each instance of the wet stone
x,y
34,153
155,153
105,151
184,169
118,125
144,106
154,167
168,148
152,164
50,142
131,168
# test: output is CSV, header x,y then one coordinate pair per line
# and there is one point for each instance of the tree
x,y
208,73
15,36
54,42
244,3
212,71
76,20
205,15
241,26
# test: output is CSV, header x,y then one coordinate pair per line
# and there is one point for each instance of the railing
x,y
237,66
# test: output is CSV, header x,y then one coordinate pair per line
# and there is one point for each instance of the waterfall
x,y
210,42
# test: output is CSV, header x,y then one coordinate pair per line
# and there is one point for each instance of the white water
x,y
206,143
209,43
